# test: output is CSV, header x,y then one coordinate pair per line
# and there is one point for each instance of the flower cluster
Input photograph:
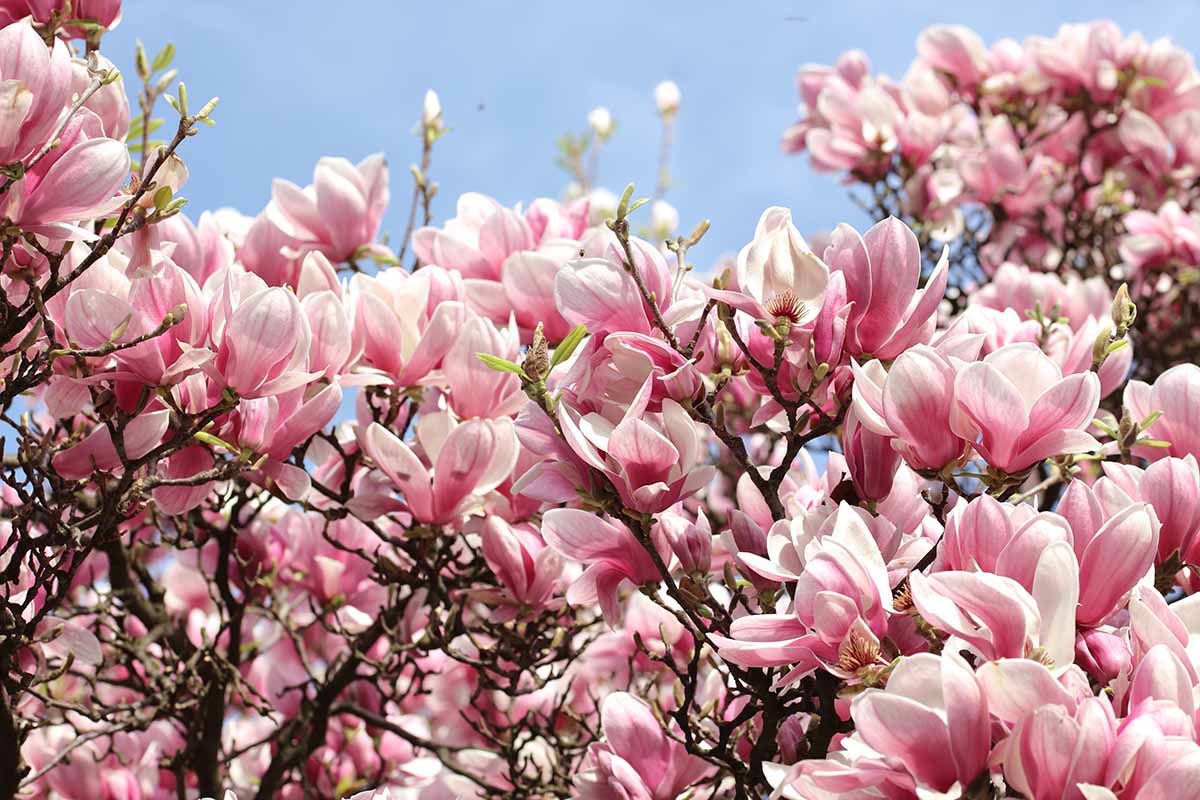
x,y
524,505
1072,154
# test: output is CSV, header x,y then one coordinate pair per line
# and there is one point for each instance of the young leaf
x,y
162,196
164,58
566,347
501,364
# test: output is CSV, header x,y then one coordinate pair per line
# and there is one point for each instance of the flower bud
x,y
664,219
432,116
601,121
666,97
1100,347
1127,429
1124,312
691,542
537,360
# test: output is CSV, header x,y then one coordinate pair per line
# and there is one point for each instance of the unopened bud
x,y
1100,347
666,97
432,115
176,315
122,327
692,545
601,122
820,373
1124,312
1127,430
537,359
141,63
664,219
729,575
165,81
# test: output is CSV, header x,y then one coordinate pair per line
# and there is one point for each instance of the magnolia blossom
x,y
542,512
468,460
637,760
339,212
1023,410
875,275
777,276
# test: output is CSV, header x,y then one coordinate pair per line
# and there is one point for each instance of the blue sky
x,y
308,78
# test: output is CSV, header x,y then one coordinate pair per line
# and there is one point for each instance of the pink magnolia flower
x,y
999,538
1015,687
96,316
96,452
333,348
1072,351
1054,749
1153,622
274,425
526,567
469,459
406,322
510,260
483,234
853,121
1155,756
78,180
1115,540
263,346
913,403
1023,409
628,360
637,760
931,722
477,390
691,542
842,604
870,457
1176,395
35,83
996,617
1102,654
998,171
1087,55
1160,676
654,461
339,212
106,13
1018,287
611,551
777,276
881,269
600,293
789,543
201,249
1145,141
955,50
1172,487
185,463
309,563
601,296
1153,238
747,534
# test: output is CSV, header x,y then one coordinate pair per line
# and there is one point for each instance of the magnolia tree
x,y
522,506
